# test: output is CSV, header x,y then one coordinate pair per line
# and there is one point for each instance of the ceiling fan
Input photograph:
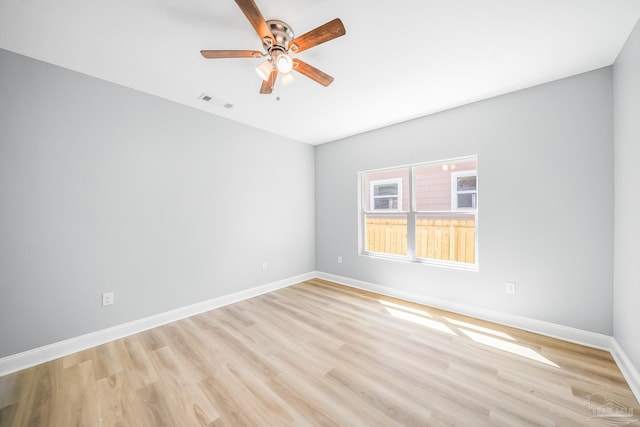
x,y
280,45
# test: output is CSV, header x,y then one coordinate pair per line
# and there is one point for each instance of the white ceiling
x,y
399,60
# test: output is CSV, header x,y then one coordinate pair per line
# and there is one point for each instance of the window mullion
x,y
411,235
411,218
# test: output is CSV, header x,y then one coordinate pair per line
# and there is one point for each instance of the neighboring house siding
x,y
433,186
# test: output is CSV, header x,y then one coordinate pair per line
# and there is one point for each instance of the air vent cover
x,y
215,101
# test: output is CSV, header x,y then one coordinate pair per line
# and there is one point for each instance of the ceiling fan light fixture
x,y
264,70
284,63
287,78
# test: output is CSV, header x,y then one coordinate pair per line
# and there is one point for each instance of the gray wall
x,y
626,87
545,165
103,188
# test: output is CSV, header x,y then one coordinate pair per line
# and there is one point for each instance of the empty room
x,y
281,213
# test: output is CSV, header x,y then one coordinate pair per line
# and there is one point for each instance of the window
x,y
464,191
386,194
423,213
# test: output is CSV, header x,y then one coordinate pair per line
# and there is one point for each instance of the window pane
x,y
467,200
446,237
466,183
385,203
386,234
433,190
385,189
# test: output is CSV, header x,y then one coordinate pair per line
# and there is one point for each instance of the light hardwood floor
x,y
320,354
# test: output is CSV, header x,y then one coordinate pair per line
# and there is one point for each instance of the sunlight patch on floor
x,y
508,346
420,320
480,329
480,334
405,308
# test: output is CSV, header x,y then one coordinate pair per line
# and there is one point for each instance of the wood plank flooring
x,y
320,354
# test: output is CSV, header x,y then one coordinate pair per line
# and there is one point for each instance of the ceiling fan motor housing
x,y
283,35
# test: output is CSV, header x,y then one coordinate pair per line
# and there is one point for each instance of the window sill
x,y
435,263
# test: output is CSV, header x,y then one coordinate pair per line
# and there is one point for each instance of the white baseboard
x,y
53,351
629,371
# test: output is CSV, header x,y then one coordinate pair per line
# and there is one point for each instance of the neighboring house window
x,y
386,194
464,190
426,212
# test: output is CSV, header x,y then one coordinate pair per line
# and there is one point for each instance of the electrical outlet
x,y
510,288
265,266
107,299
339,259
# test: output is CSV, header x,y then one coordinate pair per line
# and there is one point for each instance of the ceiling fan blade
x,y
324,33
312,72
212,54
267,85
251,11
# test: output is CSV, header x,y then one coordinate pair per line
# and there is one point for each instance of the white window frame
x,y
372,197
411,214
455,192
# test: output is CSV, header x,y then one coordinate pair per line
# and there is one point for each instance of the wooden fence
x,y
442,239
388,235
